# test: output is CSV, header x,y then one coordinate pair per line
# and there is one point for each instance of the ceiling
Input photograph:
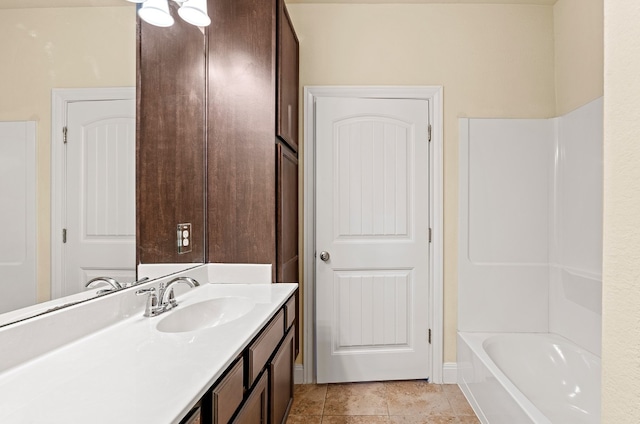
x,y
19,4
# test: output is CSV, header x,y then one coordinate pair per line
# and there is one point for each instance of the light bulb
x,y
156,12
195,12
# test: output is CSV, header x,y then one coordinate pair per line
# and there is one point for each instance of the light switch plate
x,y
184,238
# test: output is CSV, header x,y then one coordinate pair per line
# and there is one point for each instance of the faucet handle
x,y
151,307
170,296
135,283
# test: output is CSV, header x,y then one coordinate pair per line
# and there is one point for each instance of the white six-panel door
x,y
372,219
100,192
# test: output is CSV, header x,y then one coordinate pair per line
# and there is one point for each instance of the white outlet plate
x,y
184,237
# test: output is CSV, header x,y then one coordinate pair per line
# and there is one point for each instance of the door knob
x,y
324,255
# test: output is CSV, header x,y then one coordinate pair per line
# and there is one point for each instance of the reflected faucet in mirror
x,y
113,284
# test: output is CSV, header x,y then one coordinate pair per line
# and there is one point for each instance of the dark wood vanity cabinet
x,y
257,388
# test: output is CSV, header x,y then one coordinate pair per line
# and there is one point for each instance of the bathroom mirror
x,y
54,44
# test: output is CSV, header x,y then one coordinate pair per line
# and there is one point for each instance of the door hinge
x,y
429,133
429,235
429,336
64,135
64,235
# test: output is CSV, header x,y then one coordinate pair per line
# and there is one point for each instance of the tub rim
x,y
475,343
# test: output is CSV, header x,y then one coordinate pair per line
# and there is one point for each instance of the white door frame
x,y
60,98
434,95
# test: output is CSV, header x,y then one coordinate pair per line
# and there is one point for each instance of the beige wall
x,y
621,267
578,33
492,60
59,48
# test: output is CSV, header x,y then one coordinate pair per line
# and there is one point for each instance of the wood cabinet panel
x,y
290,311
241,124
228,394
195,417
254,410
281,380
170,140
262,348
288,82
287,222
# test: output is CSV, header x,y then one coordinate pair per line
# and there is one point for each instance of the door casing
x,y
434,95
59,100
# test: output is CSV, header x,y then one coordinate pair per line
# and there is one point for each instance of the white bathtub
x,y
513,378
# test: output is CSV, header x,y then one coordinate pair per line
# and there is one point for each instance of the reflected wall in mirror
x,y
52,44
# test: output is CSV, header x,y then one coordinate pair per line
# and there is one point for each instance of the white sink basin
x,y
205,314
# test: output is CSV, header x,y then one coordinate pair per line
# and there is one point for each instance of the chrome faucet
x,y
165,300
112,282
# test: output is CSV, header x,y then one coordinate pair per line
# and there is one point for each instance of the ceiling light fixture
x,y
156,12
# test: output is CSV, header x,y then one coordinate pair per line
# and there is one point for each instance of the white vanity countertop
x,y
130,372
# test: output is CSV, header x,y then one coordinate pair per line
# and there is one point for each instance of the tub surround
x,y
575,250
102,361
530,252
505,166
530,244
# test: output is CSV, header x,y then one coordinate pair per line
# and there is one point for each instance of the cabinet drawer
x,y
227,395
261,349
290,311
254,410
194,417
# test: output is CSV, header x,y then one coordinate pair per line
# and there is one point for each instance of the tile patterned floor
x,y
393,402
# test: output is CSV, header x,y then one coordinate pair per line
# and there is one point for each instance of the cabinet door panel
x,y
227,395
195,417
263,347
288,54
287,222
254,410
281,379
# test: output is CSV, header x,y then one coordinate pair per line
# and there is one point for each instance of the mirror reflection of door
x,y
99,217
18,214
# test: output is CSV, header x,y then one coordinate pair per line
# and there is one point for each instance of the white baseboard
x,y
450,373
298,374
